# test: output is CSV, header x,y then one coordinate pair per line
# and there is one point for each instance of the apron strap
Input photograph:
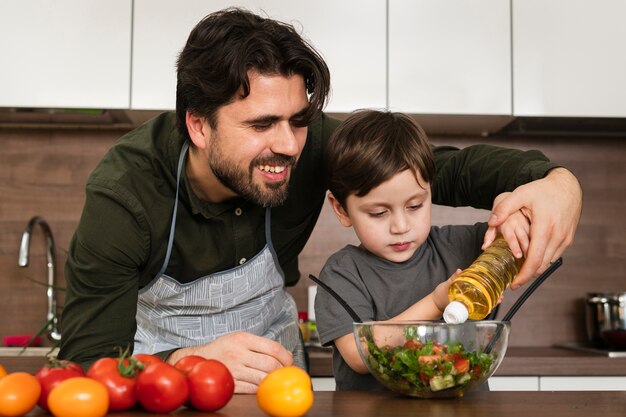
x,y
170,241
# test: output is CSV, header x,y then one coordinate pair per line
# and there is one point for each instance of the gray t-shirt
x,y
378,289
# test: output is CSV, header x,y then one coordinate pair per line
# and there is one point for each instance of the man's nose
x,y
286,142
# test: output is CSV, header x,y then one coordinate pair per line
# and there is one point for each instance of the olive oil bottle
x,y
476,291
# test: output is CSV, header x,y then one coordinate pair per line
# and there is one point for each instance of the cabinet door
x,y
65,53
514,383
582,383
350,34
569,58
450,56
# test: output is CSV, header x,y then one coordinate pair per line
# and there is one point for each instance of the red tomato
x,y
211,385
161,388
185,364
119,376
462,365
147,359
429,358
52,374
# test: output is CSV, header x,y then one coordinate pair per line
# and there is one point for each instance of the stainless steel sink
x,y
29,351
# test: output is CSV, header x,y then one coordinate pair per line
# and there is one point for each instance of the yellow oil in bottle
x,y
480,286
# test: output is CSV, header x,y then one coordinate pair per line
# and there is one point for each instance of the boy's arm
x,y
428,308
348,350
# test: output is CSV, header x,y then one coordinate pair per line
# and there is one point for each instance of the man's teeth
x,y
273,169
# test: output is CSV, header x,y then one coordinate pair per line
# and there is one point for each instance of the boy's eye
x,y
415,206
377,213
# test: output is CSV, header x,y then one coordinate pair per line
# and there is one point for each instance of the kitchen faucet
x,y
51,318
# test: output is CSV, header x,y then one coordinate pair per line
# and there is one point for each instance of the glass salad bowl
x,y
432,359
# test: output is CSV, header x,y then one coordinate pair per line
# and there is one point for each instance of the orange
x,y
285,392
19,392
79,397
3,372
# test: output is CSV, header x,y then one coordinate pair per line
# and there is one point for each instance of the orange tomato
x,y
79,397
19,392
3,372
285,392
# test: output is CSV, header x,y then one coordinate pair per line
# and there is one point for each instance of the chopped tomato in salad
x,y
428,366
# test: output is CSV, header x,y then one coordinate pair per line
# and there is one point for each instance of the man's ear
x,y
199,132
340,212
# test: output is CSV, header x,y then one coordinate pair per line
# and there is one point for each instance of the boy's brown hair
x,y
370,147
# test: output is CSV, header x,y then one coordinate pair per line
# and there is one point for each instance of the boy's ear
x,y
199,132
342,215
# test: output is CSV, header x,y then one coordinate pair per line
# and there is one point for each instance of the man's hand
x,y
248,357
553,206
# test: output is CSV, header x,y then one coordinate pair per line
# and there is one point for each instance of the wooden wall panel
x,y
44,171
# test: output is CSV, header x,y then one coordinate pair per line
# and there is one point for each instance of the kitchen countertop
x,y
519,361
479,403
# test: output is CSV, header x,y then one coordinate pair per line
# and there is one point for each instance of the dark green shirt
x,y
120,243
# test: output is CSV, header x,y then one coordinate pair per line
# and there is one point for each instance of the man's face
x,y
258,140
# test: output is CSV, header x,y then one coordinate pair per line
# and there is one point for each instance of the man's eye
x,y
261,127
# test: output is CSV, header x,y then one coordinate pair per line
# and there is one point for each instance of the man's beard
x,y
267,194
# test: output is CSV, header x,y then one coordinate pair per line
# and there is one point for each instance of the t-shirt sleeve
x,y
332,319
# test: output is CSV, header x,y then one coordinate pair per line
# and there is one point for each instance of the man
x,y
193,222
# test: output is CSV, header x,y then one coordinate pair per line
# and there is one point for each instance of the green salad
x,y
419,367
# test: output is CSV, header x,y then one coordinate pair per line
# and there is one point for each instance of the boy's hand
x,y
515,230
440,294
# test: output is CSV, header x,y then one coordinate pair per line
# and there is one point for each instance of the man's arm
x,y
548,195
102,281
474,176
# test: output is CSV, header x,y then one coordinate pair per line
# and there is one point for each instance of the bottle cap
x,y
455,312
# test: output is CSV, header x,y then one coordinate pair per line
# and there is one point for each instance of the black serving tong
x,y
337,297
522,299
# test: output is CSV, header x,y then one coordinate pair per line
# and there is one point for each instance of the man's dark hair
x,y
225,45
370,147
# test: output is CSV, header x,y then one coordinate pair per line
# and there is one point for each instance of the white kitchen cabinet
x,y
557,383
582,383
65,53
514,383
569,58
450,56
351,35
323,384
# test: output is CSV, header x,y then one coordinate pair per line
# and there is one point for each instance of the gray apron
x,y
249,298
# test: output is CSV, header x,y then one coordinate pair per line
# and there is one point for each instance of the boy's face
x,y
393,219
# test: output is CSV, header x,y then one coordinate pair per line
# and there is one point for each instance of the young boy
x,y
380,167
